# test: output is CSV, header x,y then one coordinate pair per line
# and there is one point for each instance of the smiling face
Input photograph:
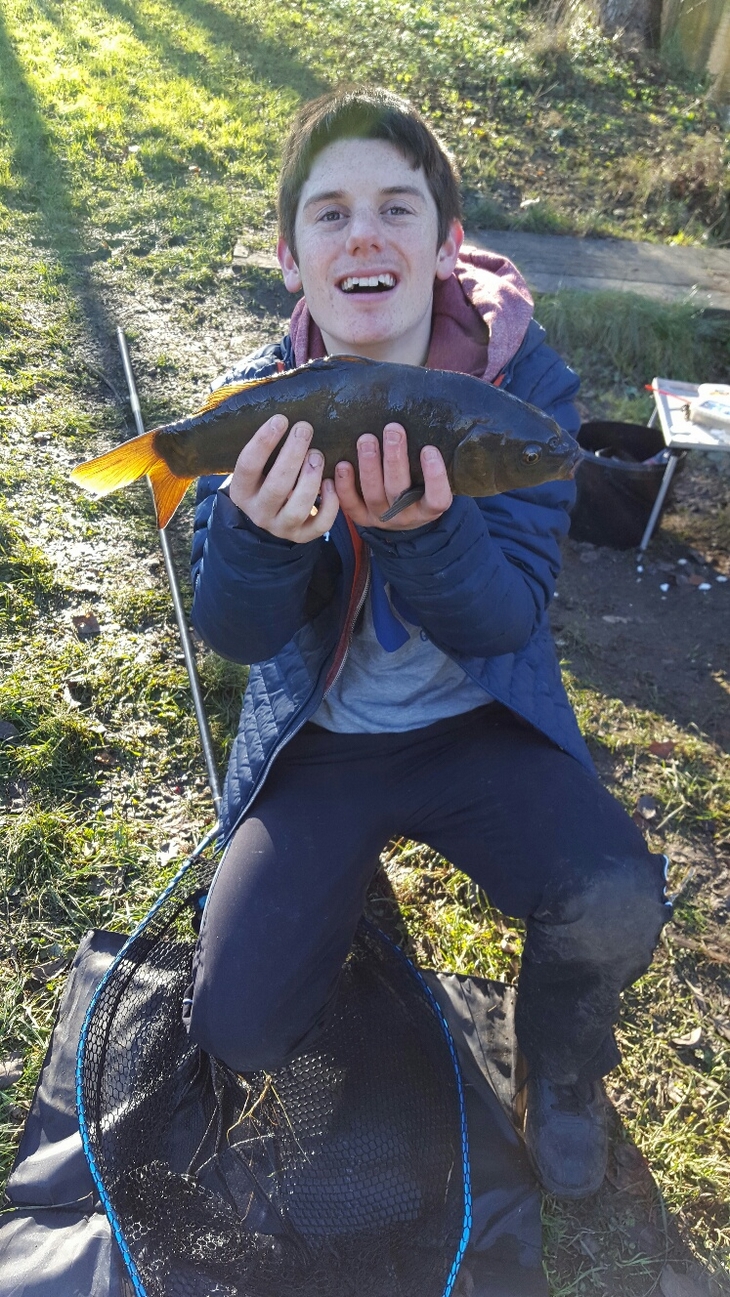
x,y
367,251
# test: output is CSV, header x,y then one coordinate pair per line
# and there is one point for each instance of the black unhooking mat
x,y
55,1237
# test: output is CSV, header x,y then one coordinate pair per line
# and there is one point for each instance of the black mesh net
x,y
343,1173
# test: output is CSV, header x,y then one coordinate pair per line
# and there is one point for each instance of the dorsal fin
x,y
222,394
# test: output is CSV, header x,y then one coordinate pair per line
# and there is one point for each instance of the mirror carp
x,y
490,441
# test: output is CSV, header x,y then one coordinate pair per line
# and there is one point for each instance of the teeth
x,y
367,281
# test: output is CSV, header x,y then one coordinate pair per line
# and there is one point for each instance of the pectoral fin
x,y
406,498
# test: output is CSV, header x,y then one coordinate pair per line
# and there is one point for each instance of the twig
x,y
103,379
688,943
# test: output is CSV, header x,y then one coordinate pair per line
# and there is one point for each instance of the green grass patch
x,y
618,342
150,133
692,786
27,579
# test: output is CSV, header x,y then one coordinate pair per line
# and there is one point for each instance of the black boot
x,y
566,1136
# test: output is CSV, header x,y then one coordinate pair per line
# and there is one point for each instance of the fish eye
x,y
531,454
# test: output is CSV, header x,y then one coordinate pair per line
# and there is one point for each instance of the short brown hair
x,y
366,113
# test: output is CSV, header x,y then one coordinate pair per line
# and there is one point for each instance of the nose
x,y
364,232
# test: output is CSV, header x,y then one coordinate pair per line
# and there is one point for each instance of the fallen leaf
x,y
588,1245
647,806
43,973
615,620
86,625
50,952
11,1070
690,1041
674,1284
628,1170
722,1028
651,1242
694,579
662,749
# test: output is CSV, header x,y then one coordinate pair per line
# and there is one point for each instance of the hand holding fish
x,y
384,480
281,500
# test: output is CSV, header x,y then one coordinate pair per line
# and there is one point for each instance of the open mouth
x,y
382,283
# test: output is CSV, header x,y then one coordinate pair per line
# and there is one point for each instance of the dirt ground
x,y
652,634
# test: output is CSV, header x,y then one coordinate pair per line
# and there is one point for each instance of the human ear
x,y
289,267
448,253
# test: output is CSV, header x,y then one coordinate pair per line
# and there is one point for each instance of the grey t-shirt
x,y
379,691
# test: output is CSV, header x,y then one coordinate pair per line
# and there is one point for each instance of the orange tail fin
x,y
127,463
167,491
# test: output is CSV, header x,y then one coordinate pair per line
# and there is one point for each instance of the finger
x,y
346,485
282,477
349,497
299,504
252,459
321,519
327,511
396,468
370,468
437,488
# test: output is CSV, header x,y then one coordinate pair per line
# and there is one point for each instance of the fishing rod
x,y
182,624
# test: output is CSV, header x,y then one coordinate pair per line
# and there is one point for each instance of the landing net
x,y
344,1174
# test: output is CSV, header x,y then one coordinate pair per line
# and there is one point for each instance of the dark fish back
x,y
343,398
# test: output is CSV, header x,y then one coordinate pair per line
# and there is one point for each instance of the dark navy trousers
x,y
531,826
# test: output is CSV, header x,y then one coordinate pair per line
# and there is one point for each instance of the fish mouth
x,y
571,465
379,281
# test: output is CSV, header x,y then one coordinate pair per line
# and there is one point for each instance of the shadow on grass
x,y
689,698
271,62
46,187
623,1240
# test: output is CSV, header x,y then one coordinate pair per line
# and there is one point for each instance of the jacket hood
x,y
480,315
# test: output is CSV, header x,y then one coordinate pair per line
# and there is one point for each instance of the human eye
x,y
397,209
330,216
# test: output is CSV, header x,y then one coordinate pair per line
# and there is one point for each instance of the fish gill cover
x,y
344,1173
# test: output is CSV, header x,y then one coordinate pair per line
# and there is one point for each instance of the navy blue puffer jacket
x,y
480,579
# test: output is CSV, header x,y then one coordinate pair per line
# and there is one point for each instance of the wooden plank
x,y
668,274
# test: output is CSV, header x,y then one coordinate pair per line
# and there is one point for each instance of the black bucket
x,y
618,482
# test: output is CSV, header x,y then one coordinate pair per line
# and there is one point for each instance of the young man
x,y
405,682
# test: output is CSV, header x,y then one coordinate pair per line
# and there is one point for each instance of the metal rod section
x,y
182,625
664,487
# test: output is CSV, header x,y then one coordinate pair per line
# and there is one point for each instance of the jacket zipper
x,y
348,634
360,585
357,599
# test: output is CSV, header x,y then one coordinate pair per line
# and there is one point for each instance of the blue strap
x,y
390,633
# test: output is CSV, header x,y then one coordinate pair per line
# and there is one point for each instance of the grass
x,y
137,141
619,341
